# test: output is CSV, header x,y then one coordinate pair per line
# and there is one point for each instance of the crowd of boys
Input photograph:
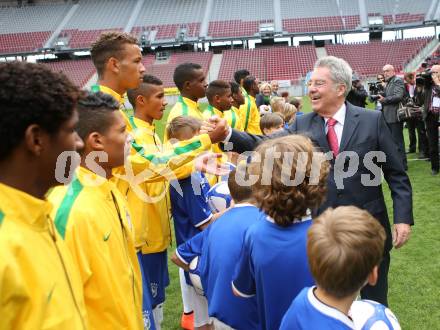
x,y
93,253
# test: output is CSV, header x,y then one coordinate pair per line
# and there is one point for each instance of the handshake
x,y
217,129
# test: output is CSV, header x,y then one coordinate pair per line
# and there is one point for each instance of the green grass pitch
x,y
414,278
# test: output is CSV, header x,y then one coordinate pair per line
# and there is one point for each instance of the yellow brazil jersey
x,y
148,202
211,111
181,153
108,90
40,287
93,218
253,124
232,116
184,107
146,187
208,113
187,107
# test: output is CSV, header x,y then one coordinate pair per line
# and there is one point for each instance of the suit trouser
x,y
397,133
432,130
419,126
379,292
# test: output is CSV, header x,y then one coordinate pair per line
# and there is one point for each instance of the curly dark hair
x,y
109,44
294,158
32,94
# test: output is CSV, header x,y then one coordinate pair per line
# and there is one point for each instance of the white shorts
x,y
219,325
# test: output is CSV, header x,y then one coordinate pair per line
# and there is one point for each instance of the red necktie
x,y
332,137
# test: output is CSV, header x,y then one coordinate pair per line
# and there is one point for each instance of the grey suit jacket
x,y
364,131
394,93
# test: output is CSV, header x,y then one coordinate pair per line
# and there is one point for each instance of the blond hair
x,y
344,245
175,126
289,112
264,85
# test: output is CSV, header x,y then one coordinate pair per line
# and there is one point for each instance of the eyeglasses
x,y
316,83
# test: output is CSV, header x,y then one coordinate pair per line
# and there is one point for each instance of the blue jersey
x,y
307,312
273,266
190,210
220,255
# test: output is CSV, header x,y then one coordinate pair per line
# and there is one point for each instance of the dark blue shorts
x,y
147,310
155,268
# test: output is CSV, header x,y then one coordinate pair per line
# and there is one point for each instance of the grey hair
x,y
340,70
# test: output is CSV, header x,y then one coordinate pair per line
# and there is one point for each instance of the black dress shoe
x,y
434,172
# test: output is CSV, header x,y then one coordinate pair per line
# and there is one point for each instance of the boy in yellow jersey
x,y
39,287
191,82
150,210
232,115
245,109
93,218
118,62
219,96
252,118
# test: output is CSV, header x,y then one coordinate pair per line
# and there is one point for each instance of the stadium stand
x,y
164,69
25,29
369,58
399,11
305,16
232,19
79,71
164,18
268,63
92,17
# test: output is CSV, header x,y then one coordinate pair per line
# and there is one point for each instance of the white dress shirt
x,y
339,116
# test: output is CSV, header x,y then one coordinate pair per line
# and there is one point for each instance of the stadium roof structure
x,y
41,26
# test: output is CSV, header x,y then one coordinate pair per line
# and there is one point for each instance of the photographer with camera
x,y
414,93
431,113
375,89
394,93
357,94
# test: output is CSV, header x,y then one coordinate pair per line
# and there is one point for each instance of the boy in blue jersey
x,y
219,249
290,179
191,213
344,247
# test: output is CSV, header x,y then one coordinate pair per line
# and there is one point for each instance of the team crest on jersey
x,y
154,287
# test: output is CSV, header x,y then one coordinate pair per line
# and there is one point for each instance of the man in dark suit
x,y
394,93
431,112
341,129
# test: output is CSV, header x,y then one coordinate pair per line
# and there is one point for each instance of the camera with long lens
x,y
376,89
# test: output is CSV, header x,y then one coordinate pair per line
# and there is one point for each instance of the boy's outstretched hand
x,y
216,128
